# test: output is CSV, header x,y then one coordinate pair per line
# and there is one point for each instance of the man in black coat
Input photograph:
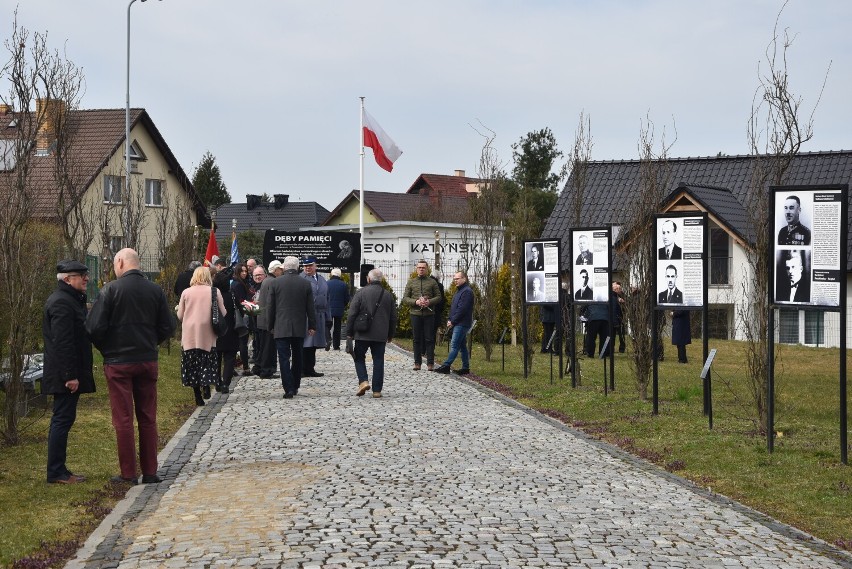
x,y
128,321
182,280
374,300
67,363
291,314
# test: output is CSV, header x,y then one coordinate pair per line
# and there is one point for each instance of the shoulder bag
x,y
364,321
220,323
240,326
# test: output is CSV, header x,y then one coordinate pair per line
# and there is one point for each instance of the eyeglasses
x,y
85,277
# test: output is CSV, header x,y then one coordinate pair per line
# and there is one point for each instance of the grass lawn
x,y
52,519
802,483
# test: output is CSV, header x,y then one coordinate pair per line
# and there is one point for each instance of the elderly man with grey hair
x,y
182,280
291,316
374,300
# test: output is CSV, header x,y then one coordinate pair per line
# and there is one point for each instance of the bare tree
x,y
578,166
776,132
132,215
31,72
654,183
483,230
66,90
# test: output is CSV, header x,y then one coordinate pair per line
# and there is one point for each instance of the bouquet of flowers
x,y
250,307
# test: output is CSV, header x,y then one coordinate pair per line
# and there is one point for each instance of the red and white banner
x,y
384,148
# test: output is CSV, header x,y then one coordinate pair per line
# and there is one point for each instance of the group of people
x,y
127,322
290,314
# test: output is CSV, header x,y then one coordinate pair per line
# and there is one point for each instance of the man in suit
x,y
671,295
791,287
536,294
291,313
585,257
535,262
669,250
585,291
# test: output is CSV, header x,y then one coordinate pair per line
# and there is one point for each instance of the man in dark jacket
x,y
128,322
291,315
460,321
338,298
375,300
67,363
182,280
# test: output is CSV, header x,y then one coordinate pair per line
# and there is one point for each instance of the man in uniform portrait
x,y
671,295
794,233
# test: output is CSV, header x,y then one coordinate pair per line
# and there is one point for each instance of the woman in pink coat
x,y
198,364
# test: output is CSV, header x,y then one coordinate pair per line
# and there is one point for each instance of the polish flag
x,y
384,149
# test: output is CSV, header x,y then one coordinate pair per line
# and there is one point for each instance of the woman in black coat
x,y
240,290
227,345
681,333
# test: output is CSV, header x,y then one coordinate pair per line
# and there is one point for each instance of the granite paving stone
x,y
439,472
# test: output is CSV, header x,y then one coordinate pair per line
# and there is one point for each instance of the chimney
x,y
252,202
5,109
281,200
49,113
460,173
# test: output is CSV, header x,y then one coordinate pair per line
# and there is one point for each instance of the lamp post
x,y
127,125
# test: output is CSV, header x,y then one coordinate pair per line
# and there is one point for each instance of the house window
x,y
717,323
720,260
112,189
788,326
814,327
116,243
154,193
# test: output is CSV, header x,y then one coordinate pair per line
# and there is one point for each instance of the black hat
x,y
71,266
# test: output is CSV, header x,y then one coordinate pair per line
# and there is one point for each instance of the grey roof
x,y
610,185
288,218
722,203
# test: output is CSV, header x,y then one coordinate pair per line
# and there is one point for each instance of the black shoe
x,y
327,348
463,371
312,374
223,389
205,391
151,479
288,396
443,368
122,480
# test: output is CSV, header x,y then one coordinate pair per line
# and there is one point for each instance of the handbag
x,y
240,326
220,323
364,321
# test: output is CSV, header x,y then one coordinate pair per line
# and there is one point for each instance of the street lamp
x,y
127,122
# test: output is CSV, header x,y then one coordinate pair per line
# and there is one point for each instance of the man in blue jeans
x,y
460,320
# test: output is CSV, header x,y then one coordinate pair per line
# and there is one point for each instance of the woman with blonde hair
x,y
198,364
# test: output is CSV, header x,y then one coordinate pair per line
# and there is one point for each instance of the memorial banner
x,y
808,241
681,260
332,249
541,271
590,270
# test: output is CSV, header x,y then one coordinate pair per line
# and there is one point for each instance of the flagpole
x,y
361,182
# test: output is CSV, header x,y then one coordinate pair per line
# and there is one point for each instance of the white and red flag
x,y
384,148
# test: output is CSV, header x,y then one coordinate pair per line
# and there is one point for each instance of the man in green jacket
x,y
421,295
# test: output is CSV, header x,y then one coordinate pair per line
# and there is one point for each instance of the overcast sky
x,y
272,87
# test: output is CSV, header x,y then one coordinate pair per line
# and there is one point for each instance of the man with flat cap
x,y
67,363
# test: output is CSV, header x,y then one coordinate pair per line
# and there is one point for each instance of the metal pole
x,y
361,182
127,128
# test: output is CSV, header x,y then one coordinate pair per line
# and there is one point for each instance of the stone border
x,y
106,546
